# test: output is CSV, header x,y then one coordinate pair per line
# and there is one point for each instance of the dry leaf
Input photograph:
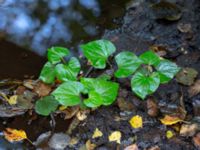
x,y
13,100
89,145
132,147
97,133
189,129
42,89
170,120
196,140
29,84
69,111
82,114
13,135
115,137
136,121
195,89
169,134
160,50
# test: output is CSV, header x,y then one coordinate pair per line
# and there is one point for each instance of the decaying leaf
x,y
69,111
115,137
89,145
29,84
97,133
169,134
82,114
136,121
170,120
189,129
194,89
132,147
14,135
159,50
42,89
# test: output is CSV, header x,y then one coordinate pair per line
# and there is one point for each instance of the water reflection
x,y
39,24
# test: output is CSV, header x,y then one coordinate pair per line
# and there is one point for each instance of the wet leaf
x,y
13,100
46,105
127,63
170,120
150,58
48,73
97,133
169,134
115,137
101,92
186,76
68,93
167,70
195,89
14,135
97,52
136,122
143,85
65,72
55,54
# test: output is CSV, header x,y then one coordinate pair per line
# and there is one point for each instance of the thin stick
x,y
89,71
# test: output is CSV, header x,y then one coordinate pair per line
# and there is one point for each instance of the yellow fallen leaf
x,y
13,135
115,137
170,120
136,121
61,108
12,100
97,133
169,134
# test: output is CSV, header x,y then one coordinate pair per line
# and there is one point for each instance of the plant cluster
x,y
148,72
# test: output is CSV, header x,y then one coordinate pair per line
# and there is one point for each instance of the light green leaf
x,y
94,100
48,74
46,105
106,89
55,54
97,52
167,70
144,85
127,63
68,93
150,58
69,71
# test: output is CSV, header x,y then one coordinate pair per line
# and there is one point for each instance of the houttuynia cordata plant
x,y
148,71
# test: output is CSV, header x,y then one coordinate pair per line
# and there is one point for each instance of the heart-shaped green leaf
x,y
68,93
97,52
143,85
150,58
69,71
55,54
127,63
107,90
167,70
46,105
94,100
48,74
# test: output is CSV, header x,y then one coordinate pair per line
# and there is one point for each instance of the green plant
x,y
148,70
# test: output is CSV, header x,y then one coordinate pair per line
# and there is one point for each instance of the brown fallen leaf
x,y
159,50
132,147
29,84
152,107
69,112
89,145
13,135
194,89
170,120
154,148
196,140
42,89
189,129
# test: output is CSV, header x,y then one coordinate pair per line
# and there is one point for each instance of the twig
x,y
89,71
53,122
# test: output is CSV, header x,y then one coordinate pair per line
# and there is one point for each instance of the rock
x,y
124,105
59,141
186,76
42,140
189,129
152,107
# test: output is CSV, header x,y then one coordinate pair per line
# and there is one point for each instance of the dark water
x,y
29,27
39,24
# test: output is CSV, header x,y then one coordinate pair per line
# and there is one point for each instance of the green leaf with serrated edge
x,y
97,52
68,93
55,54
127,63
144,85
68,71
48,74
46,105
167,70
94,100
150,58
106,89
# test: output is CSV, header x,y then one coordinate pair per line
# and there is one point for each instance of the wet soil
x,y
141,30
